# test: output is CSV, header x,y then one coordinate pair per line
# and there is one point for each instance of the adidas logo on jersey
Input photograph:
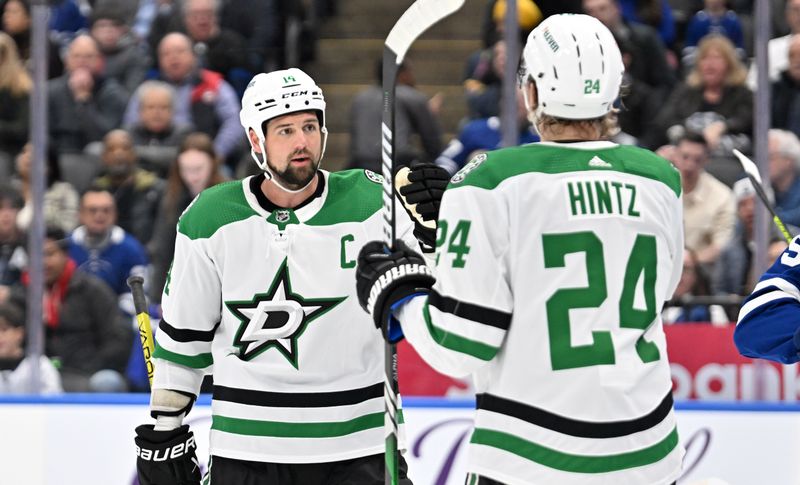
x,y
599,163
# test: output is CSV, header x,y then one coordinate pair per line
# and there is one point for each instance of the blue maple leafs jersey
x,y
769,321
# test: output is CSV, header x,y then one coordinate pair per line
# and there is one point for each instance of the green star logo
x,y
276,319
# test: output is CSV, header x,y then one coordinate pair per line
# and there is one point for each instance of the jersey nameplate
x,y
597,197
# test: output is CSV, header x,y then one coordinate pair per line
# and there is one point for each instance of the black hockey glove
x,y
166,457
384,278
421,187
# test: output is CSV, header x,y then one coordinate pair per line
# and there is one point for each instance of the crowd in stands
x,y
144,99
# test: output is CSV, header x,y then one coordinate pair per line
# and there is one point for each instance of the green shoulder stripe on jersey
x,y
278,429
458,343
200,361
215,207
352,197
575,463
536,158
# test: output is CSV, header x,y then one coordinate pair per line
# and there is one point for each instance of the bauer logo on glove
x,y
394,274
385,277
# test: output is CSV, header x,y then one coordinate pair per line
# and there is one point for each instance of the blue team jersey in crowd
x,y
478,135
769,321
120,257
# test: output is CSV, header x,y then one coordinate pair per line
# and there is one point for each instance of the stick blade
x,y
420,16
748,165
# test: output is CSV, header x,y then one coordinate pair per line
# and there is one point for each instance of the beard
x,y
295,178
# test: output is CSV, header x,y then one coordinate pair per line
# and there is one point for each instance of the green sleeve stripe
x,y
200,361
451,341
278,429
576,463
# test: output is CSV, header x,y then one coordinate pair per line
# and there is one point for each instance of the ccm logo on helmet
x,y
293,94
168,453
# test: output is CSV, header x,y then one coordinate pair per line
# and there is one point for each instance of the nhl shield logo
x,y
469,167
282,215
373,177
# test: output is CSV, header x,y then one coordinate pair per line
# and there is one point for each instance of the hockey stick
x,y
751,170
136,284
420,16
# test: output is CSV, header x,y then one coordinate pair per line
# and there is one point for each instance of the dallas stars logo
x,y
276,318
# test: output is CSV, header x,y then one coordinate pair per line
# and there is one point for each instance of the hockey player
x,y
553,263
260,294
768,326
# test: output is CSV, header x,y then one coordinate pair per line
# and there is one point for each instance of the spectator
x,y
412,116
778,47
66,20
203,99
84,331
136,191
15,89
195,168
732,271
83,107
261,24
142,22
101,248
714,101
655,13
784,174
693,282
60,198
126,59
708,205
155,134
219,50
715,18
13,257
650,59
786,92
483,81
638,105
483,135
17,23
15,368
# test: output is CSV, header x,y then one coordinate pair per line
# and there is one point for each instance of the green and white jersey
x,y
554,261
265,300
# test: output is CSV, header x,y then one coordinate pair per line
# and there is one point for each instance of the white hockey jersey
x,y
264,299
554,261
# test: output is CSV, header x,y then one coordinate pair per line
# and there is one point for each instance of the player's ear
x,y
253,138
530,94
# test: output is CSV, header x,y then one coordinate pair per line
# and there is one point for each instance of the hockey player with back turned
x,y
260,294
554,260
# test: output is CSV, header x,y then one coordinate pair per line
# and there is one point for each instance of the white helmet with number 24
x,y
278,93
576,65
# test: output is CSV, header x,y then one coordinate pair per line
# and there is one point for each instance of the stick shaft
x,y
136,284
390,351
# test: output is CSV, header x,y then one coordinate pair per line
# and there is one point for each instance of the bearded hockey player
x,y
553,263
260,294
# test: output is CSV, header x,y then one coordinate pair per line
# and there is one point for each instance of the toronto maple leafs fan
x,y
554,260
260,294
768,325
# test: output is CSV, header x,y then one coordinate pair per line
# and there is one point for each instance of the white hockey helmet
x,y
278,93
576,65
